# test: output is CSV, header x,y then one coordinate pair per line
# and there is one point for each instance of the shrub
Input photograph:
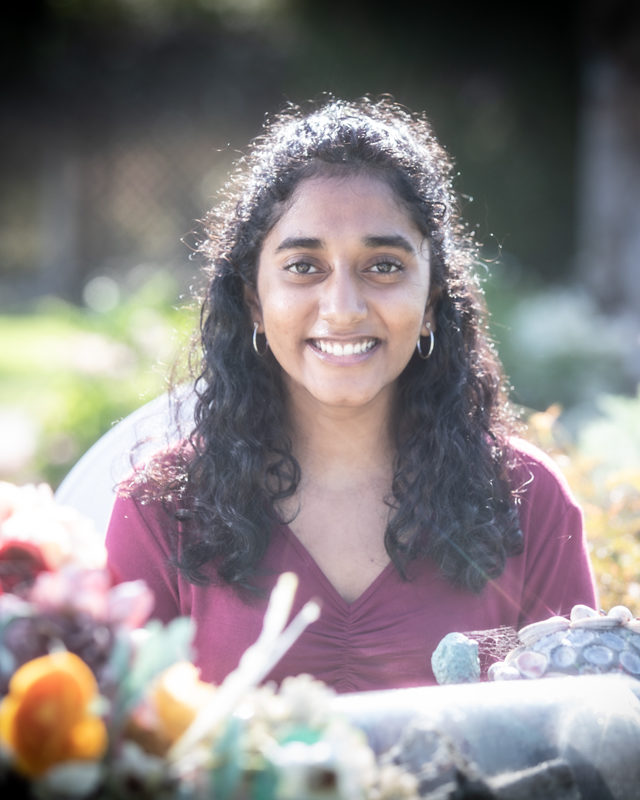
x,y
602,466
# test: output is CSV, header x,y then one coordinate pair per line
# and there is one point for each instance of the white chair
x,y
91,484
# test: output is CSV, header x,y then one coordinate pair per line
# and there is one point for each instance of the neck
x,y
342,446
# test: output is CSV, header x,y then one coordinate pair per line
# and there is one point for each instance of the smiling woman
x,y
351,423
352,291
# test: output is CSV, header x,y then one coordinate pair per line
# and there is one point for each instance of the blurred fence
x,y
74,212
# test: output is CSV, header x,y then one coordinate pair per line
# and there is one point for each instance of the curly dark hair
x,y
452,498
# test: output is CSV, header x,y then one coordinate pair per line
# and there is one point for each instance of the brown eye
x,y
386,267
301,268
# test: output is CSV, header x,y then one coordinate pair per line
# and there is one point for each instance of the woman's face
x,y
343,288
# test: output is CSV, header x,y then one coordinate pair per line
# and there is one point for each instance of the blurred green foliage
x,y
557,347
68,373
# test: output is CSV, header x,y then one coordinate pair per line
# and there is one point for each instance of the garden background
x,y
120,119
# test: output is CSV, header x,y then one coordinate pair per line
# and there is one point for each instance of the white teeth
x,y
350,349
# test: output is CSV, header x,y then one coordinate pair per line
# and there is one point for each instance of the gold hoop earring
x,y
432,341
254,341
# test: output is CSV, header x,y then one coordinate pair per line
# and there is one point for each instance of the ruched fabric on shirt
x,y
385,638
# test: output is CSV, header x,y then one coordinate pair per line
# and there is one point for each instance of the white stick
x,y
256,662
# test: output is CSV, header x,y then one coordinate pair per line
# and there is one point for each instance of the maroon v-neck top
x,y
385,638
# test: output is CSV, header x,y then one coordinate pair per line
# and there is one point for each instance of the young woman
x,y
351,424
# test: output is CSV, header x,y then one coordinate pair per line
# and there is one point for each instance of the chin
x,y
346,400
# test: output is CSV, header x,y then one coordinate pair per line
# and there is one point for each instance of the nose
x,y
342,301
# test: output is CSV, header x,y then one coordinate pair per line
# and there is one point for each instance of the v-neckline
x,y
330,588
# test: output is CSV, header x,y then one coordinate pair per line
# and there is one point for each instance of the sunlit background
x,y
120,119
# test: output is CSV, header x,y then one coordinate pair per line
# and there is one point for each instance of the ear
x,y
253,304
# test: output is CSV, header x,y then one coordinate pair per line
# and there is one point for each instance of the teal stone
x,y
455,660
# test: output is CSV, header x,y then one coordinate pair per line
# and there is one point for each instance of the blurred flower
x,y
90,591
177,696
121,710
172,703
20,562
37,534
46,719
79,610
55,590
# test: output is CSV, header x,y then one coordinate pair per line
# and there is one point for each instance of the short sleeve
x,y
557,568
138,547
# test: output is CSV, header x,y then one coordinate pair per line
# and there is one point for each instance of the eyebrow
x,y
397,241
312,243
299,242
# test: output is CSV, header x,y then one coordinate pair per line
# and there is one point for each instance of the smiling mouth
x,y
344,348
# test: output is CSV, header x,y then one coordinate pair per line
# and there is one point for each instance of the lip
x,y
343,351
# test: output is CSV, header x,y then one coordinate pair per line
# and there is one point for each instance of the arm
x,y
558,573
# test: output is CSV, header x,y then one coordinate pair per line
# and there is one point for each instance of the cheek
x,y
281,310
285,321
408,312
273,301
282,305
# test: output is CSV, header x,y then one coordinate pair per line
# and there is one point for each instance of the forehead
x,y
338,203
